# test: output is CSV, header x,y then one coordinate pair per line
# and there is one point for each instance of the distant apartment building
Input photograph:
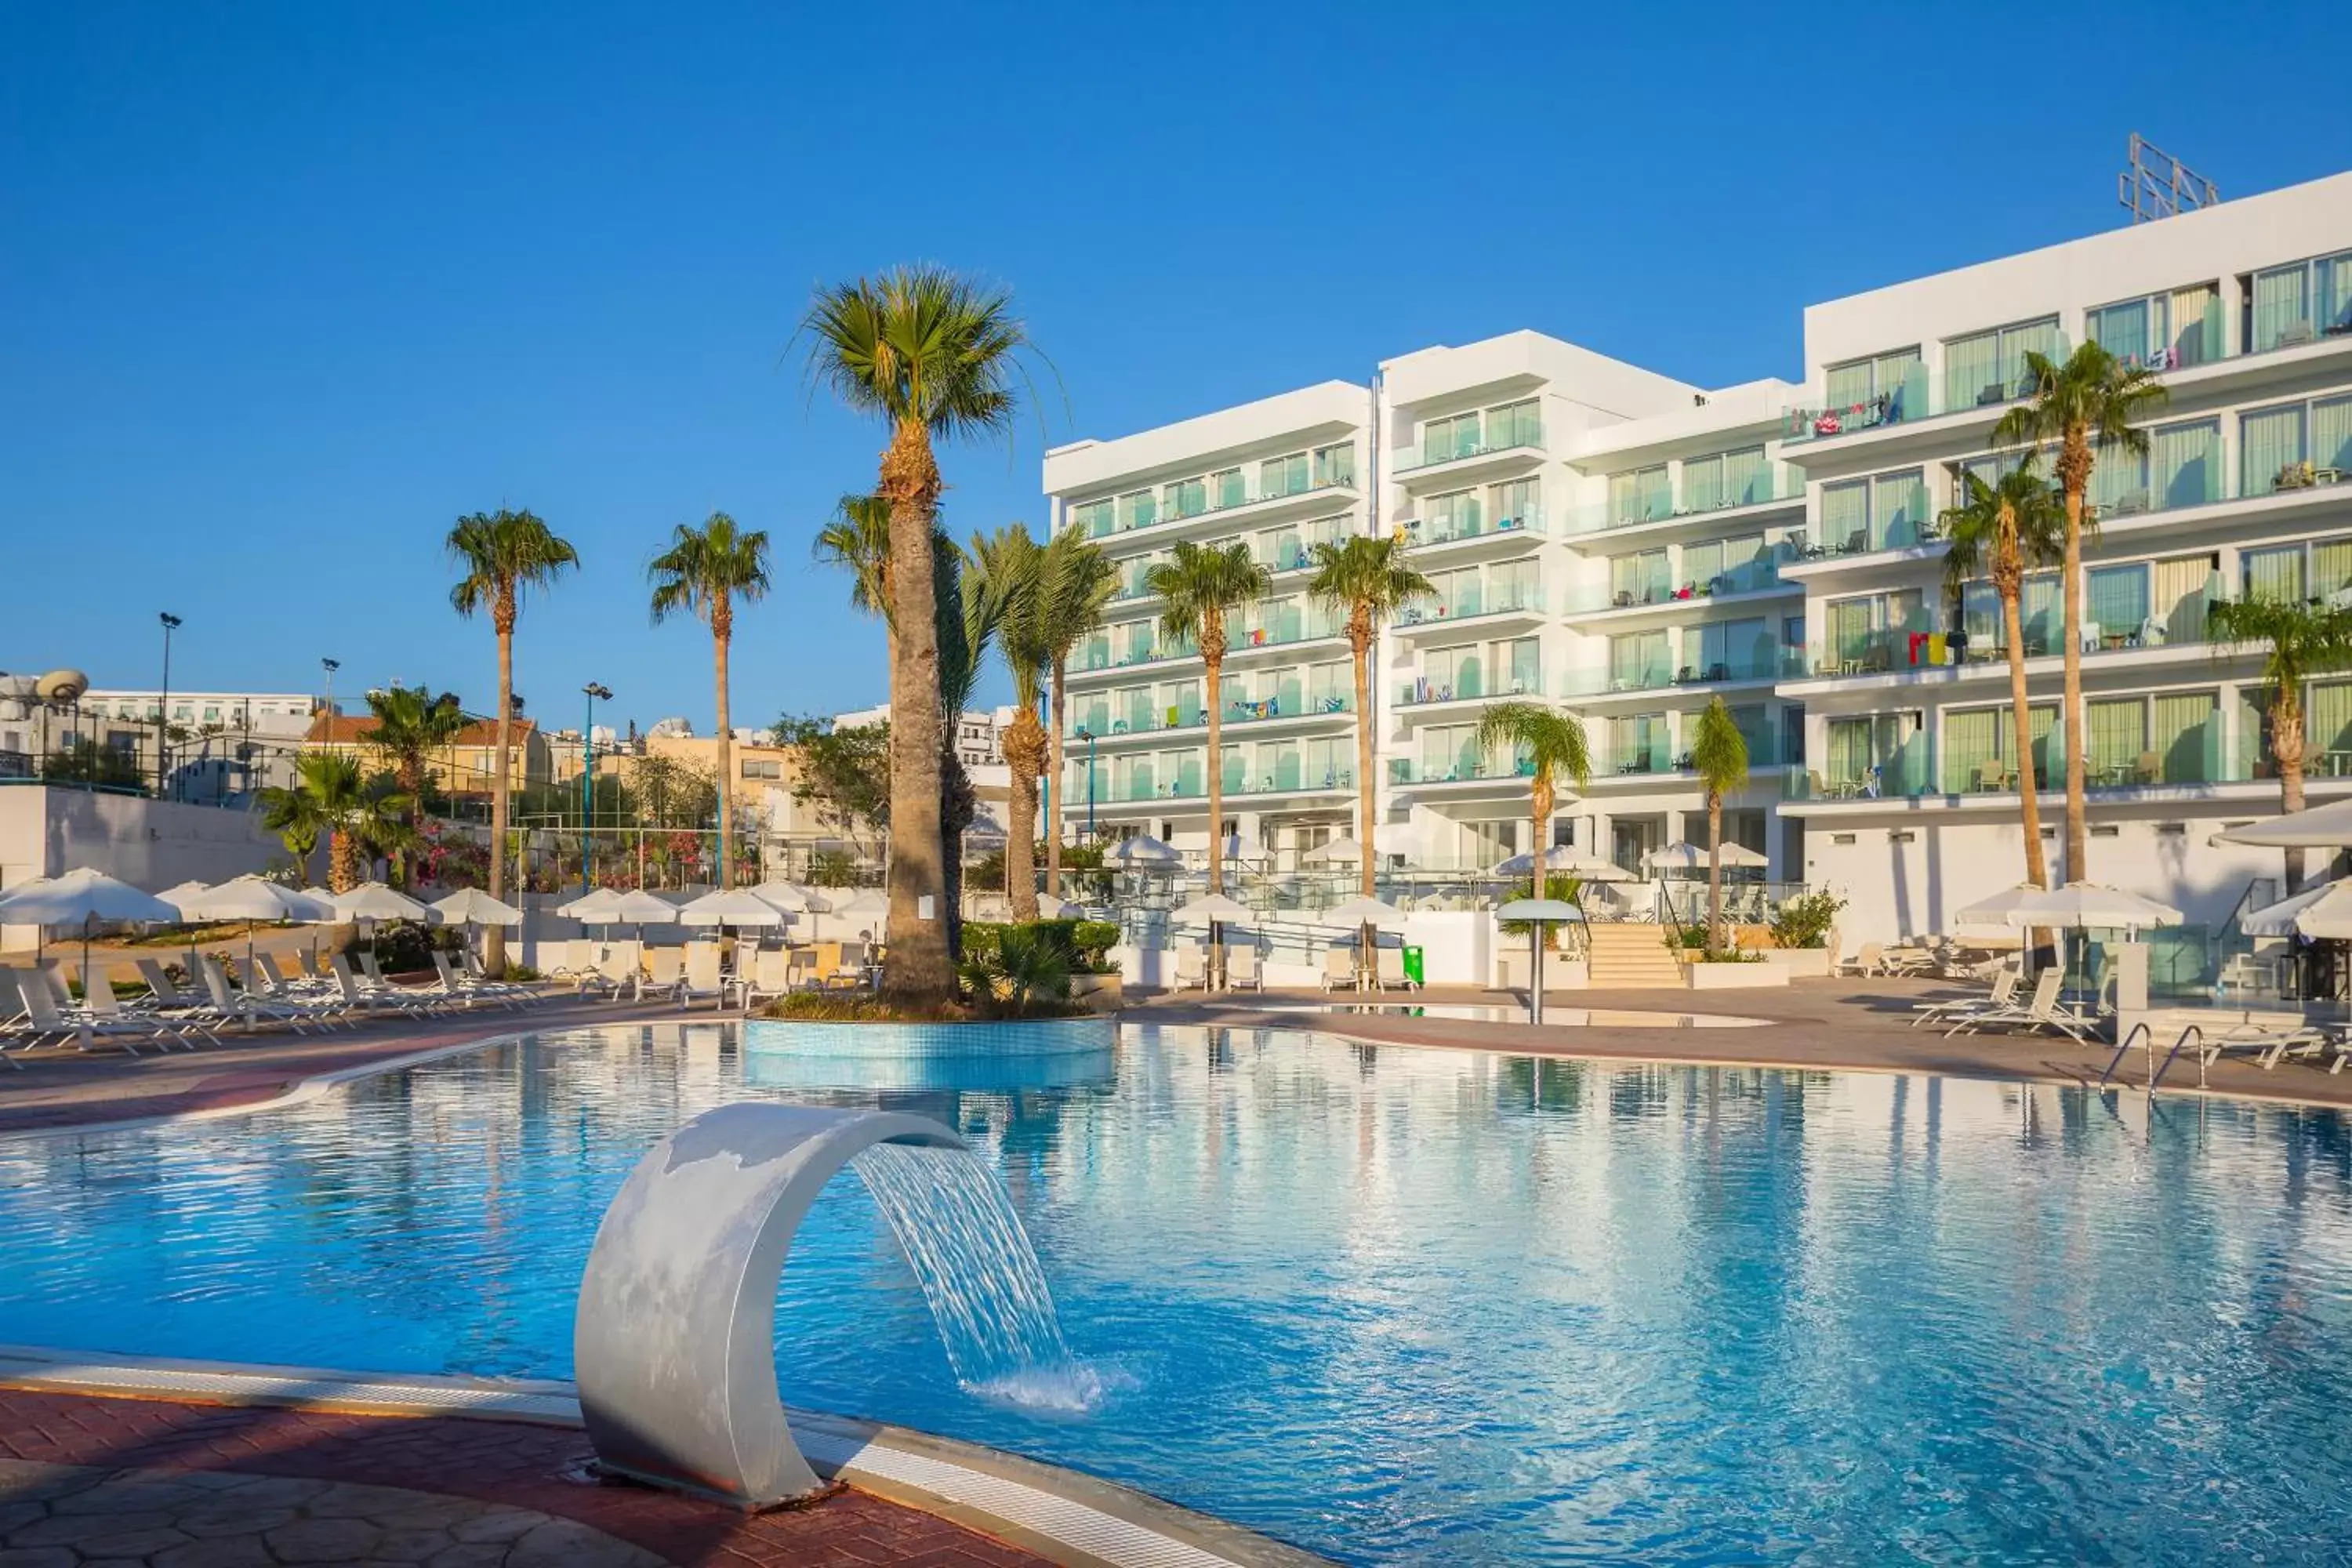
x,y
223,745
466,768
1627,547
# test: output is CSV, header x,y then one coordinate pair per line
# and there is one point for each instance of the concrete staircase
x,y
1631,954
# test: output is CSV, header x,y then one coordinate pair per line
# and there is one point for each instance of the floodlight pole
x,y
163,709
1534,972
588,779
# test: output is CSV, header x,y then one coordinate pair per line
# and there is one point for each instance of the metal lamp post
x,y
163,711
592,690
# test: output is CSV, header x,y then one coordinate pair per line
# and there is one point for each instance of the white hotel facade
x,y
1626,547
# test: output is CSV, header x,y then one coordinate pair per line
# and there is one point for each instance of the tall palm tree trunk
x,y
1055,805
1025,749
494,941
1365,806
1540,801
1713,870
2028,793
2286,746
1216,667
919,967
2078,833
720,637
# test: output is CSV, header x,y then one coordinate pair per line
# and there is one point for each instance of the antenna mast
x,y
2158,184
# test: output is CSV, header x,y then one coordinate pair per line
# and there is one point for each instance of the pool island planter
x,y
895,1040
1799,962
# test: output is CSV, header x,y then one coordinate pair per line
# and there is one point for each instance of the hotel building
x,y
1626,547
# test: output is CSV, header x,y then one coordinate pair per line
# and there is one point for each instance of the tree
x,y
2085,405
842,775
2001,531
89,763
932,356
1085,578
705,570
1720,758
1009,566
1199,586
857,541
967,610
1554,742
1370,581
330,798
501,556
410,724
2304,638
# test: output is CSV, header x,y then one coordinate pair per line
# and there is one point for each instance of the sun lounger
x,y
1338,968
1242,972
700,977
1190,970
1951,1010
2044,1011
248,1007
50,1024
1389,970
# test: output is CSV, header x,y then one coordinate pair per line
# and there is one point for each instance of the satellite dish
x,y
62,686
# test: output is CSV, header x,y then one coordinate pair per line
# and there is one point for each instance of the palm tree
x,y
967,611
857,540
332,798
706,570
1554,742
410,724
1085,578
2085,405
1370,580
2003,531
931,355
502,555
1009,566
2304,638
1720,758
1198,585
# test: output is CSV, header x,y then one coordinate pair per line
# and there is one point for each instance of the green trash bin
x,y
1413,966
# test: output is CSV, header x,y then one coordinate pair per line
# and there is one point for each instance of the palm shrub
x,y
1720,758
2300,638
1367,580
2085,405
1199,586
1555,745
1010,566
410,724
2001,531
1024,967
331,799
704,570
1084,578
931,355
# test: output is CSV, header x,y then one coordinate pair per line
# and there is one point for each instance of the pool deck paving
x,y
106,1483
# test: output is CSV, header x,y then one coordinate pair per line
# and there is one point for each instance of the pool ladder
x,y
2140,1032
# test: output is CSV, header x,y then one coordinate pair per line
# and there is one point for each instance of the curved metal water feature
x,y
674,1340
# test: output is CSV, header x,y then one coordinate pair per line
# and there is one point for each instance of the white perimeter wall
x,y
151,843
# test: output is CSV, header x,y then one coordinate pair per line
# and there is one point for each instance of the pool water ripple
x,y
1397,1305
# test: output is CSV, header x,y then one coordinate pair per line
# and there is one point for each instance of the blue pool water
x,y
1395,1305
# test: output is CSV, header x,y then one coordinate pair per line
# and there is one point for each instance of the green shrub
x,y
1083,945
855,1007
1556,885
1805,920
521,973
1022,974
400,946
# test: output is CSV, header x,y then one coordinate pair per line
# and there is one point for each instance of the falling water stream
x,y
986,1289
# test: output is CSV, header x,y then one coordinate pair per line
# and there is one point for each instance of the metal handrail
x,y
2118,1060
2195,1031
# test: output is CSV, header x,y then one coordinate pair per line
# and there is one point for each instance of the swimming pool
x,y
1394,1304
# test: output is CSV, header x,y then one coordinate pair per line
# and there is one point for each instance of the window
x,y
1518,665
2270,440
1897,377
1981,748
1518,504
1640,579
1284,476
2296,304
1228,485
1638,743
1729,650
1642,495
2185,463
1514,424
1331,686
1177,705
1877,632
1638,662
2038,610
1444,439
1989,367
1451,674
1183,498
1094,519
768,769
1515,585
1898,508
1138,510
1726,478
1455,515
2161,330
1334,465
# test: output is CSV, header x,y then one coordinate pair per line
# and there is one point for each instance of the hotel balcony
x,y
1462,461
1659,516
1219,511
1700,676
1497,610
1242,789
1472,537
1658,600
1655,762
1243,716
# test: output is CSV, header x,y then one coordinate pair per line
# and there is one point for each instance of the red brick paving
x,y
492,1461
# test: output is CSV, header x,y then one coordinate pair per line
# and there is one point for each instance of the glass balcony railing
x,y
1523,437
1287,776
1898,651
1469,603
1472,525
1457,769
1658,675
1189,507
1749,577
1656,754
1767,490
1497,687
1902,773
1918,396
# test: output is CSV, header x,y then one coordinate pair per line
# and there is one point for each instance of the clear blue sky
x,y
285,288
